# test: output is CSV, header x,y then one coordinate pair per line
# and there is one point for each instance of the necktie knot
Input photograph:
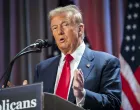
x,y
68,58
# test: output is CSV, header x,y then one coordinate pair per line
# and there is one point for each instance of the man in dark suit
x,y
90,79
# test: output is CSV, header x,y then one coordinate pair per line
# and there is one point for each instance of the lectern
x,y
31,97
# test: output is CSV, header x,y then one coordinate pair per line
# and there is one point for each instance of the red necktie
x,y
64,82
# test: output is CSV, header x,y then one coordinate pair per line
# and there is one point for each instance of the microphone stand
x,y
9,69
38,48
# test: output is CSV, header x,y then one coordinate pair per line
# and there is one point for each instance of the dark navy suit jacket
x,y
101,74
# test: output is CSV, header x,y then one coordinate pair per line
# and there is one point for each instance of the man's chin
x,y
64,49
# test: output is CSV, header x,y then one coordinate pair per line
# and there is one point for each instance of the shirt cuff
x,y
80,102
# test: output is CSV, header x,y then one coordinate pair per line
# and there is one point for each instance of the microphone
x,y
40,43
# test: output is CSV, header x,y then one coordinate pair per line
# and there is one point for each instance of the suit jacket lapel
x,y
86,64
53,74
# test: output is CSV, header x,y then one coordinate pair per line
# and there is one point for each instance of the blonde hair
x,y
71,10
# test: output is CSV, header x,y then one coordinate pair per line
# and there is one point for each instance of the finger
x,y
79,76
75,73
3,86
77,88
78,84
9,84
79,80
25,82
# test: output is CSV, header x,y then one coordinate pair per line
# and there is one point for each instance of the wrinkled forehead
x,y
59,17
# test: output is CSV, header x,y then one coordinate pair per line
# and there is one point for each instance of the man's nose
x,y
60,30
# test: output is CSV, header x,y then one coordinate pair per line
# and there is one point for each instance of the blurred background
x,y
111,26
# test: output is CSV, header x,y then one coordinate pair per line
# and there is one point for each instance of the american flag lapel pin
x,y
88,65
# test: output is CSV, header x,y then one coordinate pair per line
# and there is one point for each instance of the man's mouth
x,y
62,40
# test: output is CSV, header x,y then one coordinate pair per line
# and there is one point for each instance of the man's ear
x,y
81,29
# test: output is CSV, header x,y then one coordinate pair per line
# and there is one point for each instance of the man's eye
x,y
54,28
65,24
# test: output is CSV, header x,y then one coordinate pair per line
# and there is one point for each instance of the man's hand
x,y
78,84
25,82
9,84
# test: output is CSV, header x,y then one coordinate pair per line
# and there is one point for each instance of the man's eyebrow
x,y
60,23
64,21
53,26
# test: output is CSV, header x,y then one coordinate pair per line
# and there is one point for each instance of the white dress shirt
x,y
77,55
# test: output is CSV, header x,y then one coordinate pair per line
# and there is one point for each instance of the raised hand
x,y
78,84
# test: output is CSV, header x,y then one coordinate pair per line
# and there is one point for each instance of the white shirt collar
x,y
77,54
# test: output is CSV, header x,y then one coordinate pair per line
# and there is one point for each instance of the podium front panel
x,y
28,97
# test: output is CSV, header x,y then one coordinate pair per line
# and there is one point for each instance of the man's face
x,y
67,34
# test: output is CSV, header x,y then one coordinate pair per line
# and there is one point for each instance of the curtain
x,y
104,21
21,23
